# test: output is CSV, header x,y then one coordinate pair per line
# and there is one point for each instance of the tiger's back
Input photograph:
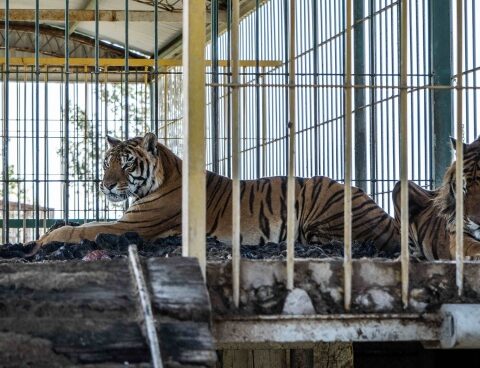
x,y
263,207
321,207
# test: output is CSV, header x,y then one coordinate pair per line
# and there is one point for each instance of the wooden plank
x,y
88,15
237,358
184,296
87,313
333,355
187,343
272,358
109,62
301,358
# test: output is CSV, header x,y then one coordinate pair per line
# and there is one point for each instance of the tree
x,y
15,191
82,142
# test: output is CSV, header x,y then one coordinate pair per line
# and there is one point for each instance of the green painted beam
x,y
440,19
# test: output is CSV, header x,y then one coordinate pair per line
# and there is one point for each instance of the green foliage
x,y
15,191
82,142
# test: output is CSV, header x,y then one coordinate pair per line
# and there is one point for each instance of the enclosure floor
x,y
109,246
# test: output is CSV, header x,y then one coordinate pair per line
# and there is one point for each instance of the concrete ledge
x,y
376,286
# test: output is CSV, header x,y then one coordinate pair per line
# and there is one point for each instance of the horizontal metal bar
x,y
328,328
30,223
410,89
107,62
86,15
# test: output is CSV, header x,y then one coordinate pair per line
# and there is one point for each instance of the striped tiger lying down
x,y
148,171
432,213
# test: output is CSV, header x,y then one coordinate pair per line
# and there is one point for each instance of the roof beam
x,y
90,5
88,15
173,50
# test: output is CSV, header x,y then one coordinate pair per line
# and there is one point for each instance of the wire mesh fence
x,y
51,123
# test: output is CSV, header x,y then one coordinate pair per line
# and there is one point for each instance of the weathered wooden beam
x,y
88,313
88,15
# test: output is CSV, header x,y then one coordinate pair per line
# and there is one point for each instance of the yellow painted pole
x,y
236,230
347,260
193,178
459,154
404,257
104,62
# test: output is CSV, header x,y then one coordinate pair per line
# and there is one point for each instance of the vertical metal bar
x,y
97,117
126,92
360,98
474,60
440,14
286,78
316,110
67,116
46,156
229,80
459,153
291,215
37,120
466,62
214,89
6,128
236,157
264,123
155,70
347,260
257,88
404,150
165,108
85,143
373,99
193,178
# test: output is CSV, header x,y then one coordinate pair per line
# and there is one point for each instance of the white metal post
x,y
235,155
291,218
347,260
404,151
459,154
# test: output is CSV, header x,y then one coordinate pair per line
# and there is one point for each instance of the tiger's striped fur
x,y
145,169
432,213
321,219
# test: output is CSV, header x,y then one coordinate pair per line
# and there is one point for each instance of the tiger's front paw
x,y
474,257
62,234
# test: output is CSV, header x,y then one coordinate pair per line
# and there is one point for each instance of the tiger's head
x,y
445,201
135,167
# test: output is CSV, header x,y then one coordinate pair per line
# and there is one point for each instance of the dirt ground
x,y
108,246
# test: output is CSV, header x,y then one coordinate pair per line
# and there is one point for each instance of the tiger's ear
x,y
112,142
454,144
149,142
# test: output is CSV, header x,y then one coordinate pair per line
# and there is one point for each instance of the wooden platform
x,y
73,313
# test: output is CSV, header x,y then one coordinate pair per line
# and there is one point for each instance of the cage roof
x,y
112,26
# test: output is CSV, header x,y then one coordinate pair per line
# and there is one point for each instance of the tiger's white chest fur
x,y
473,228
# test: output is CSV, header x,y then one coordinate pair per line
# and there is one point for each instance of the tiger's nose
x,y
109,186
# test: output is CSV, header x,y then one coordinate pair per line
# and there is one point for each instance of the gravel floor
x,y
107,246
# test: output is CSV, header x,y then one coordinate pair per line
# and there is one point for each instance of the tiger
x,y
321,216
432,212
147,171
